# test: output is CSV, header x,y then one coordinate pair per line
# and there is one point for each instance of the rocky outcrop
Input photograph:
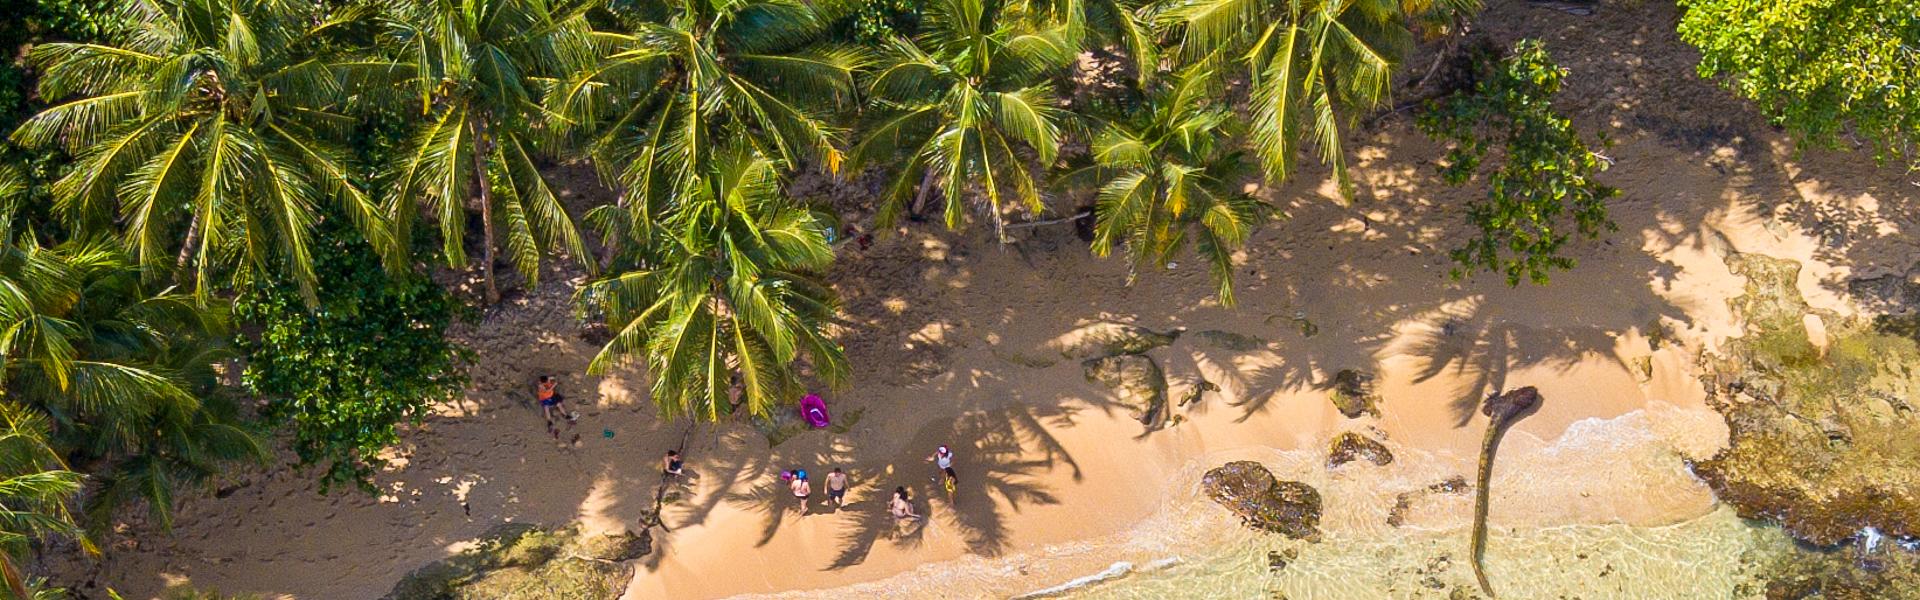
x,y
1349,446
1101,340
1248,489
1136,381
1820,434
1403,502
1227,340
523,561
1502,411
1352,393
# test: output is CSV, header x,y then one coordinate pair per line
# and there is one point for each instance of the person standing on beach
x,y
837,487
943,458
801,489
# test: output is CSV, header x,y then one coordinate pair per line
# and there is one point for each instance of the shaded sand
x,y
1057,481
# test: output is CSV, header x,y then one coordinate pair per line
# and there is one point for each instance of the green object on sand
x,y
607,433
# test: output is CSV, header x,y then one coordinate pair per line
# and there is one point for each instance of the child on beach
x,y
952,483
837,487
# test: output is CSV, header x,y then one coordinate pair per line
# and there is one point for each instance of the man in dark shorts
x,y
548,392
672,465
837,487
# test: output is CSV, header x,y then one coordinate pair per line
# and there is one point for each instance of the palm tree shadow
x,y
871,523
999,456
770,499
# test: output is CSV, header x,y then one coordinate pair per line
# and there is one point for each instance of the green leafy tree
x,y
875,22
35,489
478,70
203,136
1819,67
1312,66
727,285
1170,176
1543,192
343,376
970,104
124,373
692,77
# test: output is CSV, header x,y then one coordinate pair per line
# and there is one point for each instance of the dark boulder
x,y
1248,489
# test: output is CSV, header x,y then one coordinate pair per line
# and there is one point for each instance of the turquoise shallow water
x,y
1717,555
1559,529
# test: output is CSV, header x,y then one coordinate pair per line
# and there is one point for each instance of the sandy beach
x,y
946,332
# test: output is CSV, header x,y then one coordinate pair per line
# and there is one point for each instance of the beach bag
x,y
814,411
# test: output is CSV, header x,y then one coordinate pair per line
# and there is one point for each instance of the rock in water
x,y
1819,441
1248,489
1350,446
617,547
1353,394
1101,340
1136,380
522,561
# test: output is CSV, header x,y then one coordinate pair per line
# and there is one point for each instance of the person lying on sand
x,y
837,487
902,504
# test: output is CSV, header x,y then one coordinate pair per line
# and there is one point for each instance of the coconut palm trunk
x,y
481,148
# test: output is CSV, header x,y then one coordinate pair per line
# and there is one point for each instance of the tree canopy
x,y
1826,70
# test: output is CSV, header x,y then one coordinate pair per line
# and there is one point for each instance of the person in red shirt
x,y
548,393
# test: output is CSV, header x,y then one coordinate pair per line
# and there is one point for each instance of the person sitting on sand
x,y
548,391
837,487
671,465
902,504
801,489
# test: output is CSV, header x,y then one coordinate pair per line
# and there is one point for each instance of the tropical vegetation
x,y
224,224
1830,71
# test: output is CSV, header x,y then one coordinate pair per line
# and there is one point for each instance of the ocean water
x,y
1717,555
1606,510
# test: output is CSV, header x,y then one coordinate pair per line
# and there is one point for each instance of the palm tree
x,y
970,104
726,284
1309,63
1102,23
477,69
1170,176
691,76
218,113
124,374
35,487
